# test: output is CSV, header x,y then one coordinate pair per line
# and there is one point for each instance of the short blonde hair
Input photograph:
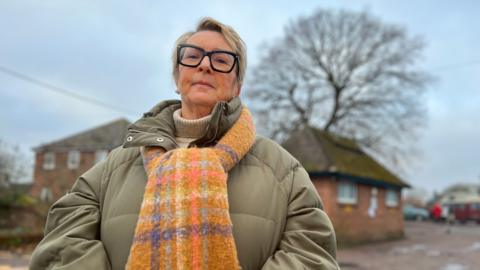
x,y
230,35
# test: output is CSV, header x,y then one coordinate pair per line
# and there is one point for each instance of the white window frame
x,y
46,194
49,161
73,161
391,198
100,155
347,192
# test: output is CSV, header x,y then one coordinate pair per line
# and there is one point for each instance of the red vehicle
x,y
436,212
463,212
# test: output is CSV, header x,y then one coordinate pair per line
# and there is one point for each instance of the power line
x,y
65,92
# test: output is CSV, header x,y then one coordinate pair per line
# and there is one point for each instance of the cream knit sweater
x,y
187,130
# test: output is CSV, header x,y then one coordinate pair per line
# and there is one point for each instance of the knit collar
x,y
189,128
157,127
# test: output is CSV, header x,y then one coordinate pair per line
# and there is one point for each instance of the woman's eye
x,y
192,56
220,59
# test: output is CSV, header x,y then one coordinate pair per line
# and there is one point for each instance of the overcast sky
x,y
119,52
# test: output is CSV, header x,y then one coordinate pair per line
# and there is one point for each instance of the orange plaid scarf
x,y
184,221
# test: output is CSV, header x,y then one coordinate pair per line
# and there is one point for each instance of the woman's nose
x,y
205,64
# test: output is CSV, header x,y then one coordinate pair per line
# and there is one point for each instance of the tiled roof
x,y
322,152
105,137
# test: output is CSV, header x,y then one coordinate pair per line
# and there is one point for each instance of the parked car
x,y
411,212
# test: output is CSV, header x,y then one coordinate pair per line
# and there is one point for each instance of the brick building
x,y
362,197
60,163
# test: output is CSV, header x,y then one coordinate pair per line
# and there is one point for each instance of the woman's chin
x,y
202,99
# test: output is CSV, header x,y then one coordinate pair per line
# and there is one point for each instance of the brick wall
x,y
61,178
352,223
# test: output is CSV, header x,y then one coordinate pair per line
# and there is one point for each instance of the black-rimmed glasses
x,y
192,56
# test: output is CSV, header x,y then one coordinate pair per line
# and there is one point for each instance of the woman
x,y
193,187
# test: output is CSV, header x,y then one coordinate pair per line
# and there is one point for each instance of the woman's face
x,y
201,87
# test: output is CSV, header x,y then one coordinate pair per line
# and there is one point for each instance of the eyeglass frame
x,y
209,54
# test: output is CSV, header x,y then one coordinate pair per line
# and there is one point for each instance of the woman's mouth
x,y
203,83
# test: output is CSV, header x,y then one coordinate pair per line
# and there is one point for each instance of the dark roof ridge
x,y
83,133
335,139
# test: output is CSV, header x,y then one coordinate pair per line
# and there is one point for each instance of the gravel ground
x,y
426,246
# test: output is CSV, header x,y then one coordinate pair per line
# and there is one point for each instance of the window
x,y
391,198
49,161
347,193
46,194
100,155
372,208
73,159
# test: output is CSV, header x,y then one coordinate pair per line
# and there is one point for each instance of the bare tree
x,y
347,73
14,166
416,196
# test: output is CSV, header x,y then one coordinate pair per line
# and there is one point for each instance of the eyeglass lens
x,y
221,61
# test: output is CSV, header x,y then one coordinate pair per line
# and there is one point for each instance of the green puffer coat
x,y
277,216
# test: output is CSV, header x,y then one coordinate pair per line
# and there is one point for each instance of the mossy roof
x,y
321,152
